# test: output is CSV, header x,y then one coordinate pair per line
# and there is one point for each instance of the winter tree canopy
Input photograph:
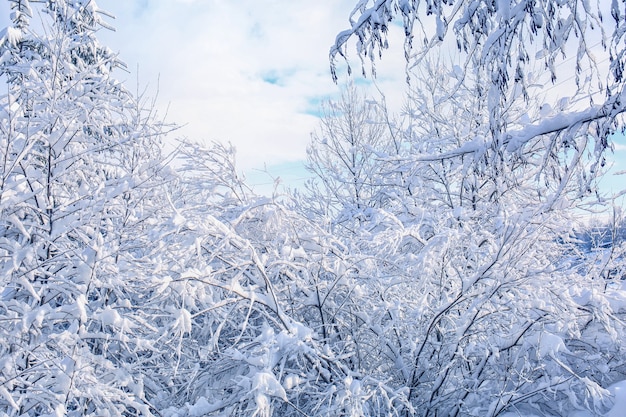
x,y
502,46
486,185
435,265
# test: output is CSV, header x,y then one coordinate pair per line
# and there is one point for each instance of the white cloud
x,y
245,72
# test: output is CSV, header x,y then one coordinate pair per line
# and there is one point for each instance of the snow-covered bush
x,y
79,180
433,269
472,302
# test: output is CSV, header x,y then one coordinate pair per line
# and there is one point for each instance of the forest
x,y
440,263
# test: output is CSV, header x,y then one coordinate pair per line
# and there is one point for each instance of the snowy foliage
x,y
433,268
79,169
478,298
345,157
503,45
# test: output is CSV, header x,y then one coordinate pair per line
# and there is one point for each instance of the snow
x,y
110,317
412,275
8,398
515,139
550,345
203,407
618,397
183,320
267,384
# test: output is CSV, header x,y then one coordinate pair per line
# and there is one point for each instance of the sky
x,y
249,72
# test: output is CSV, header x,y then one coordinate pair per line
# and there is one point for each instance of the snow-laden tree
x,y
79,188
449,283
477,299
349,157
129,290
499,162
343,153
504,45
256,312
510,315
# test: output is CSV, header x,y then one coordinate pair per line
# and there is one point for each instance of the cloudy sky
x,y
252,72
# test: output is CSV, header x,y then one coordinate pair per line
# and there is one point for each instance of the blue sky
x,y
252,72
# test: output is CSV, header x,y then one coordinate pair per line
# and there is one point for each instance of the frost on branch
x,y
502,43
78,179
476,299
269,296
433,268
